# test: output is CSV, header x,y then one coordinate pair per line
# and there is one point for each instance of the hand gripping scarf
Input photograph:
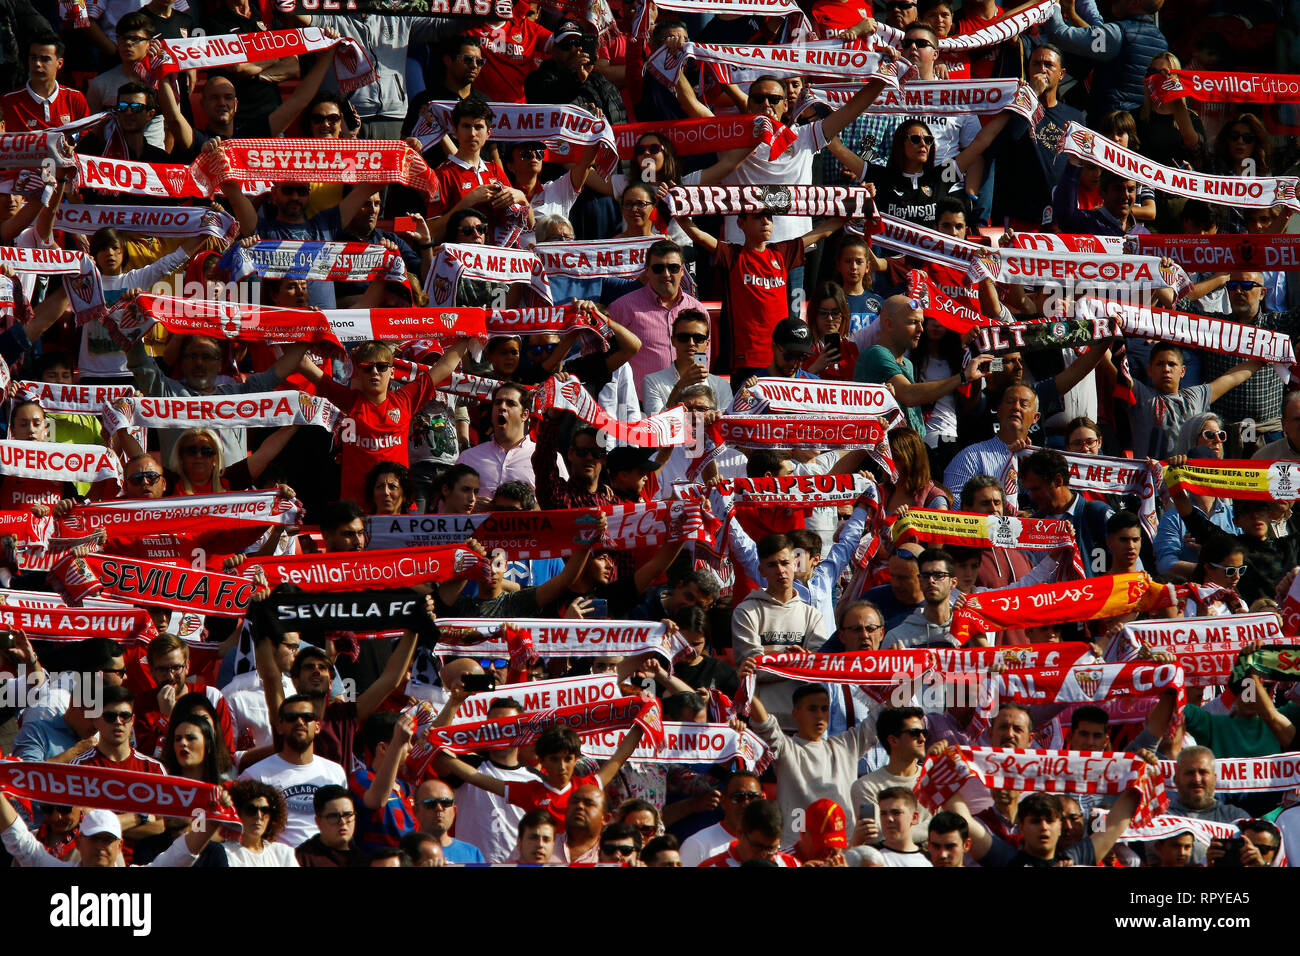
x,y
80,275
790,491
183,221
999,30
663,430
625,712
1041,771
244,410
547,637
711,743
457,261
858,668
319,161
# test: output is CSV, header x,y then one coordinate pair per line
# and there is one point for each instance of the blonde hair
x,y
174,457
1147,105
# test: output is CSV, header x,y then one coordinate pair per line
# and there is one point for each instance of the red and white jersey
x,y
136,761
25,111
510,51
457,178
728,857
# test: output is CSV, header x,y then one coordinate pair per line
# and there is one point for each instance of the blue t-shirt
x,y
458,851
864,308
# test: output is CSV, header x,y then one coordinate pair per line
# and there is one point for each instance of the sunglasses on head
x,y
473,229
1236,136
1241,286
769,99
919,43
920,139
380,367
672,268
648,149
691,338
130,107
202,451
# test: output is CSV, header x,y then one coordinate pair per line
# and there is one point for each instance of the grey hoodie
x,y
763,625
385,39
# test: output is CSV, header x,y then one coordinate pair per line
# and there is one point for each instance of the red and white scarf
x,y
1075,269
108,788
937,305
687,744
457,261
798,396
1114,476
1224,253
706,134
1210,86
52,461
950,97
791,491
1081,683
439,326
26,529
189,515
58,622
832,59
174,586
312,261
550,124
775,431
245,410
542,695
1237,478
39,149
1198,331
561,638
162,180
1000,30
857,668
81,275
663,430
1058,603
350,570
1252,192
1041,771
844,202
594,333
926,244
131,318
523,729
596,258
1268,774
797,25
1233,631
981,530
1166,825
153,220
318,161
351,64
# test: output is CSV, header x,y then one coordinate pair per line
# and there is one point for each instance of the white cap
x,y
100,821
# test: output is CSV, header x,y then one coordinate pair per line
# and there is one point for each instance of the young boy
x,y
467,181
754,295
1163,406
376,421
558,749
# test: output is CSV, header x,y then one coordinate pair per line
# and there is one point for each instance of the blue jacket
x,y
1126,46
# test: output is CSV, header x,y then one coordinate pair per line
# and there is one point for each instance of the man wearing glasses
x,y
435,809
570,76
134,31
115,726
903,735
651,312
742,788
929,626
1260,399
336,817
296,771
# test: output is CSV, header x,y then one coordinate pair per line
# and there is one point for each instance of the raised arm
x,y
1235,376
835,124
610,768
282,116
381,787
398,664
698,236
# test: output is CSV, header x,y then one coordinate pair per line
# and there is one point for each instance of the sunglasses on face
x,y
768,99
473,62
672,268
916,732
648,149
49,808
341,816
1211,435
132,41
621,849
202,451
691,338
118,716
569,45
918,42
380,367
332,119
530,154
295,190
539,350
920,139
306,716
588,451
1230,570
144,477
1236,136
131,107
493,663
261,809
445,802
744,796
1241,286
473,229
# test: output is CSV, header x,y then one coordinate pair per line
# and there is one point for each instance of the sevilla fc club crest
x,y
394,415
1089,682
1085,139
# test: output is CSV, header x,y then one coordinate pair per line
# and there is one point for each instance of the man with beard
x,y
584,818
297,771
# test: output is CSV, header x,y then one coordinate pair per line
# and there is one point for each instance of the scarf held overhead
x,y
1237,478
174,586
346,570
623,713
245,410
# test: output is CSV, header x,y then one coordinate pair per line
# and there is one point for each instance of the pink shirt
x,y
496,465
641,313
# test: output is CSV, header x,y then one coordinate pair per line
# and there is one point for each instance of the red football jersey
x,y
755,297
136,761
728,858
456,179
23,113
538,794
379,432
511,51
19,494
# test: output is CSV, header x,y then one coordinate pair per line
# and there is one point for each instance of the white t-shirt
x,y
298,785
246,701
791,168
487,821
273,854
708,842
555,198
895,858
951,134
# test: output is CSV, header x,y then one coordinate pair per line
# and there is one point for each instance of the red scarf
x,y
1081,683
792,491
127,519
1225,253
169,585
350,570
945,310
874,668
666,429
131,318
1209,86
527,728
547,637
318,161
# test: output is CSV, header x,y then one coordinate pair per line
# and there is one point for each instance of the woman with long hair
x,y
195,706
938,356
1242,148
1171,134
834,353
262,812
389,489
909,185
1218,572
196,467
193,750
914,487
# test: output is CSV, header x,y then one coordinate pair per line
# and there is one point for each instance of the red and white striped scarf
x,y
561,638
523,729
1081,683
999,30
351,64
318,161
663,430
80,275
1041,771
162,180
169,585
131,519
594,334
1115,476
457,261
951,97
712,743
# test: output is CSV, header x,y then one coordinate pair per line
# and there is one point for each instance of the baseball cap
x,y
626,458
569,28
827,825
792,335
100,821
